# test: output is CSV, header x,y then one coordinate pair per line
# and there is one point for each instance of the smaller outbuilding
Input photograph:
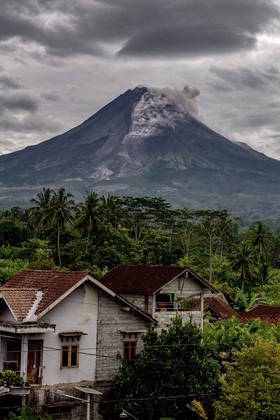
x,y
267,313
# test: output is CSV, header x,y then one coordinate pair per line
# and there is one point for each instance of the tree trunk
x,y
189,236
210,260
58,245
243,280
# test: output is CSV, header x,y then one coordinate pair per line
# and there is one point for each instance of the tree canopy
x,y
171,371
101,232
250,386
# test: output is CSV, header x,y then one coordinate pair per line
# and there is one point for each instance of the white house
x,y
48,330
63,330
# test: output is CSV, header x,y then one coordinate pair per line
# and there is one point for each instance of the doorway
x,y
34,361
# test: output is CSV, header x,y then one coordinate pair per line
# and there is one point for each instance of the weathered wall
x,y
145,303
165,318
185,286
77,312
43,399
112,319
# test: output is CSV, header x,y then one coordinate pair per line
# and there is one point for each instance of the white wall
x,y
77,312
5,313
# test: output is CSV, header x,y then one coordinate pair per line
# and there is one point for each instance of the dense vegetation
x,y
232,361
163,379
102,232
229,371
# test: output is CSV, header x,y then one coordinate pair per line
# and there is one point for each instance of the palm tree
x,y
60,213
111,209
243,260
89,219
260,238
41,205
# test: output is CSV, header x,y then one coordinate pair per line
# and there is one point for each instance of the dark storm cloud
x,y
18,102
149,27
7,82
199,27
24,21
191,40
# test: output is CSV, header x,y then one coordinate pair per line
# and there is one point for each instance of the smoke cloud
x,y
185,99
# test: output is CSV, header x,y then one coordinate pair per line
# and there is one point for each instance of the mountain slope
x,y
145,142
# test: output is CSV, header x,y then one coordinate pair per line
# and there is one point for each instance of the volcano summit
x,y
147,142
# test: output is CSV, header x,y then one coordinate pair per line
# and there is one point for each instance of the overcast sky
x,y
61,60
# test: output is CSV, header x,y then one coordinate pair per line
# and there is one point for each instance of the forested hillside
x,y
102,232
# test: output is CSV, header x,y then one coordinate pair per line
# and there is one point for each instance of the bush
x,y
172,363
250,386
24,413
10,378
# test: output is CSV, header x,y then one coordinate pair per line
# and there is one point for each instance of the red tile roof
x,y
219,305
265,312
52,283
19,300
143,280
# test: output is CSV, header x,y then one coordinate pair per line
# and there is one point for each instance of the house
x,y
162,291
63,330
216,307
264,312
50,322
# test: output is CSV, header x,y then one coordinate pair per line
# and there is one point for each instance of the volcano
x,y
146,143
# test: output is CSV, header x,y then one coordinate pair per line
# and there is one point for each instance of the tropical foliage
x,y
241,260
250,386
102,232
172,371
10,378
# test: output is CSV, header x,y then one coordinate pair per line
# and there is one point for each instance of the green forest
x,y
232,368
102,232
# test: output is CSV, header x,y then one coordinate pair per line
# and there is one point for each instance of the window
x,y
70,356
129,349
70,349
165,302
129,345
12,355
60,412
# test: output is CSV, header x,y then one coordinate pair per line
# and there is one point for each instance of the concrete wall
x,y
112,318
184,286
41,399
165,318
145,303
77,312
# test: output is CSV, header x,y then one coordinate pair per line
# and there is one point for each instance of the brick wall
x,y
145,303
111,319
165,318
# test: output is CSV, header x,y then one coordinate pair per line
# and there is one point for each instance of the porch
x,y
188,305
22,351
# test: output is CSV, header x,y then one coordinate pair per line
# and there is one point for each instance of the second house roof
x,y
146,280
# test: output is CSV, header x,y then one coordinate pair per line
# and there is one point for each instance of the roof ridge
x,y
150,265
18,288
54,271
